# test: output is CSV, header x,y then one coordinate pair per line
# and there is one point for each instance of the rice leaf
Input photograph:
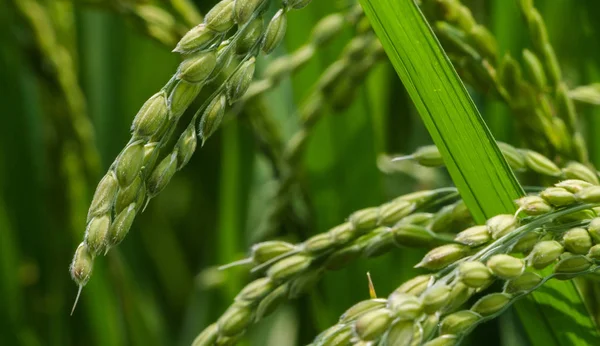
x,y
475,163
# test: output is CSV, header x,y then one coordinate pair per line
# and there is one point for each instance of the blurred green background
x,y
161,285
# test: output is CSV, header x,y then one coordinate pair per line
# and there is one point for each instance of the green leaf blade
x,y
446,108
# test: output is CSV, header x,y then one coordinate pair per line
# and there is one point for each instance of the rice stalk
x,y
520,160
290,269
63,70
428,309
136,175
563,105
400,319
366,222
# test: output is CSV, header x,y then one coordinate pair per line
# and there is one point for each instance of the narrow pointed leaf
x,y
475,163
